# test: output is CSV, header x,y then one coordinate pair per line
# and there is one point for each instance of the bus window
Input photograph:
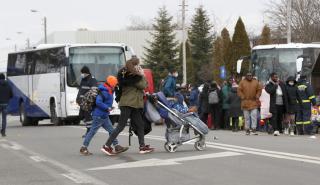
x,y
12,58
56,60
102,61
41,62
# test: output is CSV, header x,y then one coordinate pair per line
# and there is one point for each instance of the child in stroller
x,y
179,119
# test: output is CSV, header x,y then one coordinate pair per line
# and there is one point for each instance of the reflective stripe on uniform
x,y
299,122
311,97
302,86
306,122
305,101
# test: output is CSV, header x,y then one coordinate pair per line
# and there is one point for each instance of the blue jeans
x,y
96,124
250,117
3,112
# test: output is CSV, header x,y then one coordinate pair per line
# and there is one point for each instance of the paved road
x,y
47,155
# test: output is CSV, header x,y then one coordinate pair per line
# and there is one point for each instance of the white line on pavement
x,y
241,149
13,146
71,172
165,162
76,178
37,158
265,151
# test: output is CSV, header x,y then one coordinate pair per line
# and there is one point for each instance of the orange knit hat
x,y
112,81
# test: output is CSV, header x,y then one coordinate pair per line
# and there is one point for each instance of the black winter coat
x,y
204,102
292,93
271,88
235,103
85,85
125,79
5,92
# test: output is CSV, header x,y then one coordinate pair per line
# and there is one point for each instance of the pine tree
x,y
161,55
240,46
227,50
201,39
217,59
265,37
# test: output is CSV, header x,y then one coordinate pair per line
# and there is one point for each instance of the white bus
x,y
286,60
45,80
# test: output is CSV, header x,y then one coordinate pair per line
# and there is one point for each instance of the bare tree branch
x,y
305,19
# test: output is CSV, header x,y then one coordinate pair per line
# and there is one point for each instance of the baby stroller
x,y
178,125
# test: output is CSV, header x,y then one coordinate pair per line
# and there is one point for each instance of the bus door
x,y
63,92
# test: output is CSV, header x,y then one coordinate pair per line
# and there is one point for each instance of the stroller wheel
x,y
170,147
200,145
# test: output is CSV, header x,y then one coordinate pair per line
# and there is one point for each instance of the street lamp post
x,y
184,60
44,25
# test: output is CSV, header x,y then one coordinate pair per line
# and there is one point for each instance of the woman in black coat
x,y
215,108
278,101
204,103
235,108
292,104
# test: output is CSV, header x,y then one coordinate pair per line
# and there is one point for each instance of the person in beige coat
x,y
249,91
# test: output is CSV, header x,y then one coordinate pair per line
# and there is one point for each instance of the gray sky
x,y
65,15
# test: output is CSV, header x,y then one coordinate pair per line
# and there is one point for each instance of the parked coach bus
x,y
45,80
286,60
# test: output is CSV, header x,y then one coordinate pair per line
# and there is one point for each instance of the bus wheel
x,y
54,118
24,119
35,122
76,121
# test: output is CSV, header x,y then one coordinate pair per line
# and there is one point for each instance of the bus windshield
x,y
281,61
101,60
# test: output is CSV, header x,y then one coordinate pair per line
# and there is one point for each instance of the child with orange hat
x,y
100,115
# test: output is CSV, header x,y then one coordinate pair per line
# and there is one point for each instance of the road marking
x,y
77,178
13,146
265,151
72,174
37,158
166,162
248,150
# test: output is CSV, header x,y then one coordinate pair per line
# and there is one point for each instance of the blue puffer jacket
x,y
103,104
169,86
194,97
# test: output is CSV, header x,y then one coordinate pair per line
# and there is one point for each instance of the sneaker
x,y
145,149
119,149
107,150
248,132
313,137
276,133
286,131
291,133
254,132
3,133
84,151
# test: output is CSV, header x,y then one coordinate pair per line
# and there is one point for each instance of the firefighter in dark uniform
x,y
306,98
87,82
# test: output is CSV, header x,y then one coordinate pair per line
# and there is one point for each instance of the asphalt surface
x,y
48,155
